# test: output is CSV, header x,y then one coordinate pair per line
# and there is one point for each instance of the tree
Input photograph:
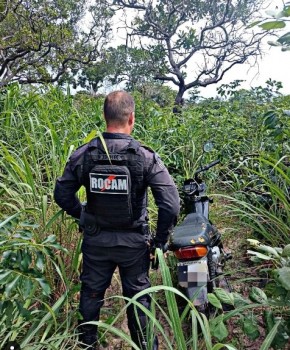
x,y
41,40
197,41
277,20
121,65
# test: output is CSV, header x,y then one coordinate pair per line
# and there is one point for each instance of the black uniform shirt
x,y
156,176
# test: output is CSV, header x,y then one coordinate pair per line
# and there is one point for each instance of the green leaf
x,y
286,11
11,285
284,277
44,285
259,255
219,330
90,136
4,275
253,24
26,261
273,43
27,286
49,239
269,319
256,294
268,341
273,25
40,261
284,39
286,251
270,120
239,300
224,296
214,301
250,328
268,249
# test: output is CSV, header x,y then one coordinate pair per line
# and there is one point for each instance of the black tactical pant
x,y
99,264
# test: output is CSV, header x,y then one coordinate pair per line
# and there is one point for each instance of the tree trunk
x,y
179,101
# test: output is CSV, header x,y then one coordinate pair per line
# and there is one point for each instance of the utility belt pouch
x,y
89,223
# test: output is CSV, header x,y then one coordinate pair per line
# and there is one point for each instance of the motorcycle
x,y
197,244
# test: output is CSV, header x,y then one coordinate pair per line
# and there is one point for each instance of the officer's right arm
x,y
166,198
65,191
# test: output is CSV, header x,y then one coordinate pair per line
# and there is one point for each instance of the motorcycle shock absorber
x,y
211,266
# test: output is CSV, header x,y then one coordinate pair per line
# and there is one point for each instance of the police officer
x,y
116,171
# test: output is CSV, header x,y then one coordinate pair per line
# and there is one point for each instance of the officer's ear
x,y
131,120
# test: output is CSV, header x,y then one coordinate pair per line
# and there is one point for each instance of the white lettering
x,y
114,185
100,183
122,184
107,184
94,182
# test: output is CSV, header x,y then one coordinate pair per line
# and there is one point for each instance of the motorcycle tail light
x,y
191,252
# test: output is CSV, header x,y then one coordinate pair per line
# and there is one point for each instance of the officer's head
x,y
119,108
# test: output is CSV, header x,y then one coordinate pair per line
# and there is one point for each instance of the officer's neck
x,y
119,130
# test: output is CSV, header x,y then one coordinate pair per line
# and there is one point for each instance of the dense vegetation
x,y
40,245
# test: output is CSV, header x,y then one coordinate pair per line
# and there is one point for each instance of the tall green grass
x,y
265,207
39,129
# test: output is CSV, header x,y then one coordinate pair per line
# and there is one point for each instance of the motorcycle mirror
x,y
208,146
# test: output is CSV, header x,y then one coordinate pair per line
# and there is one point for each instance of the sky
x,y
273,63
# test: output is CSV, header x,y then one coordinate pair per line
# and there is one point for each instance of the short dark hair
x,y
117,107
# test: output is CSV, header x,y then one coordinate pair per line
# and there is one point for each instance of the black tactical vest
x,y
114,185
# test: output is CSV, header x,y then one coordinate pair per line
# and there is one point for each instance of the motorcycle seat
x,y
195,229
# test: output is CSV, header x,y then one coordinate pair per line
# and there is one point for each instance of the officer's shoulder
x,y
146,150
78,153
150,153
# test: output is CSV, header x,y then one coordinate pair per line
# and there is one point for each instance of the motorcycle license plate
x,y
192,273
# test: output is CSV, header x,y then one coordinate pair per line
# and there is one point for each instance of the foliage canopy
x,y
190,43
40,40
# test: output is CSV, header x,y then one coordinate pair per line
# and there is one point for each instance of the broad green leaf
x,y
286,251
27,286
259,255
254,242
273,25
214,301
40,261
273,43
286,11
250,328
49,239
268,249
284,277
11,285
258,295
220,331
284,39
44,286
270,120
26,261
224,296
239,300
4,275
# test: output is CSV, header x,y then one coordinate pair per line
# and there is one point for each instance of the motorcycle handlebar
x,y
208,166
